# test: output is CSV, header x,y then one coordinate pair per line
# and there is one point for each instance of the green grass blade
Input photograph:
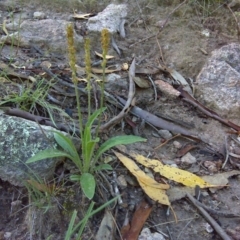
x,y
94,212
70,226
118,140
48,153
85,220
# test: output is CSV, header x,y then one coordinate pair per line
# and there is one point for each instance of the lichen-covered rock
x,y
109,18
218,83
20,139
50,33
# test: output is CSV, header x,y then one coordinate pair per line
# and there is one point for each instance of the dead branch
x,y
188,98
213,223
127,104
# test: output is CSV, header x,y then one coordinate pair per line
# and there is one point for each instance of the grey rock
x,y
20,139
39,15
165,134
114,82
47,32
188,158
218,83
109,18
147,235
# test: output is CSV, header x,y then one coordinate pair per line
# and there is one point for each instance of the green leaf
x,y
89,151
118,140
88,184
75,177
66,143
70,226
103,166
94,116
48,153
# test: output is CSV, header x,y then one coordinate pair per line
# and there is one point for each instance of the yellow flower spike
x,y
71,51
105,40
87,58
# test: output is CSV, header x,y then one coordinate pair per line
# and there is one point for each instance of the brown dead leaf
x,y
142,83
42,187
139,218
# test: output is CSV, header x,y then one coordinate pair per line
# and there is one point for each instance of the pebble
x,y
122,181
188,158
147,235
39,15
177,144
7,235
165,134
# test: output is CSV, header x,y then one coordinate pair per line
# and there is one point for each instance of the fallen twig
x,y
156,121
38,119
188,98
213,223
127,103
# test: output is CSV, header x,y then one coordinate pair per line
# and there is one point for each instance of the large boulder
x,y
20,139
218,83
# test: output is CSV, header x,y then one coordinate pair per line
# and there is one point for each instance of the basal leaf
x,y
118,140
103,166
88,184
94,116
48,153
66,143
75,177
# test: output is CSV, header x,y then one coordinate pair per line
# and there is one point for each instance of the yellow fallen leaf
x,y
151,187
157,195
172,173
101,56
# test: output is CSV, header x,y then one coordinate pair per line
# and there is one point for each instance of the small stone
x,y
39,15
188,158
122,181
208,228
147,235
177,144
211,166
165,134
7,235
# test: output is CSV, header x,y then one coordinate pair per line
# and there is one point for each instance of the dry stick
x,y
131,93
227,153
213,223
38,119
156,121
188,98
154,88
